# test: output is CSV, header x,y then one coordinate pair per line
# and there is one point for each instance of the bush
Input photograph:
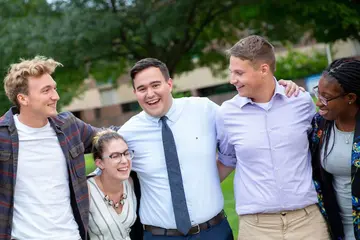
x,y
297,65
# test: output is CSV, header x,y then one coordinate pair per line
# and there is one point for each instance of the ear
x,y
22,99
352,98
169,82
264,69
99,163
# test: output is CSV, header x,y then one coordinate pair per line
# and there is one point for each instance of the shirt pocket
x,y
5,156
77,159
6,178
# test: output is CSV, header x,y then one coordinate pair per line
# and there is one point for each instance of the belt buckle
x,y
198,229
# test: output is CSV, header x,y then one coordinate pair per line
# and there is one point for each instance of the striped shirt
x,y
104,222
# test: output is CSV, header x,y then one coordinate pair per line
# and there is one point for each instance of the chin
x,y
53,113
154,113
123,176
329,118
244,94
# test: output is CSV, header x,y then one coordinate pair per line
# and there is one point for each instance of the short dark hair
x,y
254,48
147,63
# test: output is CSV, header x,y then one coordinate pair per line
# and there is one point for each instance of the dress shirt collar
x,y
279,90
173,114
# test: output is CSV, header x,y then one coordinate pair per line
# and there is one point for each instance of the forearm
x,y
224,171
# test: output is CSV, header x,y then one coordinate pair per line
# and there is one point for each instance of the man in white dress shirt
x,y
192,123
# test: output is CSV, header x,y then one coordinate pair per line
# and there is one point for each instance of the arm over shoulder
x,y
86,131
226,151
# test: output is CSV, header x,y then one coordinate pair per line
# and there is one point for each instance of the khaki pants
x,y
306,223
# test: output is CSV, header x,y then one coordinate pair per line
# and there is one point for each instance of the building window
x,y
97,113
77,114
223,88
130,107
108,96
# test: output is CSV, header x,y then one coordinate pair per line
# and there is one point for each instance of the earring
x,y
349,102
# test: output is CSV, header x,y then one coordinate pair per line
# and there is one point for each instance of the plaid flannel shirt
x,y
75,138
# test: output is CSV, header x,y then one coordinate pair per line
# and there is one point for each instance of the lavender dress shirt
x,y
268,146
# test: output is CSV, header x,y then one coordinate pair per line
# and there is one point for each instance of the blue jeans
x,y
221,231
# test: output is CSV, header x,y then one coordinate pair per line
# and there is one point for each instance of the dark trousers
x,y
221,231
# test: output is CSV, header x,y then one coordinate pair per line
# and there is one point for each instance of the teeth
x,y
152,102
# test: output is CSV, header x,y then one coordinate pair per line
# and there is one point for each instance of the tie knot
x,y
164,118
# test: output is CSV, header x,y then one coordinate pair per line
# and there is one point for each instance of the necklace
x,y
347,136
113,203
347,139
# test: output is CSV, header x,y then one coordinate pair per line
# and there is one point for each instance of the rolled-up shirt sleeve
x,y
226,151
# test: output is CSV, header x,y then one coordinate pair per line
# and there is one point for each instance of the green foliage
x,y
104,37
181,94
297,65
4,103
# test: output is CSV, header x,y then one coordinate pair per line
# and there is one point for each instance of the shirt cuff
x,y
227,160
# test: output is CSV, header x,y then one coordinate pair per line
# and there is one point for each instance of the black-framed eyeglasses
x,y
117,157
324,100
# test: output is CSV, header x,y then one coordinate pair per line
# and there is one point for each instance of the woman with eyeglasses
x,y
112,198
335,147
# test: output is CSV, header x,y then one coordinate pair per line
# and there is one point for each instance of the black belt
x,y
193,230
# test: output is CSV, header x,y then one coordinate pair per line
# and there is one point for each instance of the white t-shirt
x,y
264,106
42,208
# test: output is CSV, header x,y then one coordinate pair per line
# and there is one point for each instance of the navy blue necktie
x,y
181,212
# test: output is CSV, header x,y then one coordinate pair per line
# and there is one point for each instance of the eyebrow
x,y
156,81
48,86
119,152
236,70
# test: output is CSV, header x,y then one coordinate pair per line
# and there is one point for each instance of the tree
x,y
103,38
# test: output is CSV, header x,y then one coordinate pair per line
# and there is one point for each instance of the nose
x,y
150,93
123,159
319,104
55,96
233,79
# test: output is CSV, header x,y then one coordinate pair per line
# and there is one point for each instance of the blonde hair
x,y
16,79
255,49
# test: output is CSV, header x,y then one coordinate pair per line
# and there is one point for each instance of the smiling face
x,y
42,97
153,91
339,105
113,163
246,78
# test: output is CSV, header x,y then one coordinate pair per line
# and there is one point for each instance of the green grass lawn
x,y
228,191
227,188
